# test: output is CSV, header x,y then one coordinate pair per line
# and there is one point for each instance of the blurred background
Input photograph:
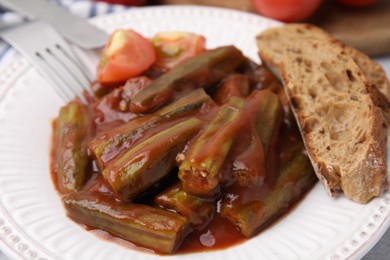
x,y
363,24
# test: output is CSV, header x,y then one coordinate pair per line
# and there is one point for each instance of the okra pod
x,y
188,104
152,158
200,71
235,85
248,165
268,112
200,166
109,144
295,178
73,129
252,156
142,225
199,211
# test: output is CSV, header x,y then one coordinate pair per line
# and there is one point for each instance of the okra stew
x,y
180,148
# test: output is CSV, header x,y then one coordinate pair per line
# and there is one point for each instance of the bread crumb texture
x,y
275,42
344,131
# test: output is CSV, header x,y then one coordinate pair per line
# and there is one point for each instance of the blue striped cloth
x,y
83,8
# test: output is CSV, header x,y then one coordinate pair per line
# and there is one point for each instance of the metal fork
x,y
52,57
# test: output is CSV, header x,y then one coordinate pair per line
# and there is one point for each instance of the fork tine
x,y
64,78
72,68
53,57
68,52
57,65
58,85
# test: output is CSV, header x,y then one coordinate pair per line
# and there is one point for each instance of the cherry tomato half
x,y
174,47
286,10
126,55
357,3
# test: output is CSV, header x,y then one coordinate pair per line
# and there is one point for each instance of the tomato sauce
x,y
220,232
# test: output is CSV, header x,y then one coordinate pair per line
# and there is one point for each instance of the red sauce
x,y
220,233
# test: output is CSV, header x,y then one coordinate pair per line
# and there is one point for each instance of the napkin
x,y
83,8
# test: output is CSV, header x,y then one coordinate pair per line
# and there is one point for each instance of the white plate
x,y
33,224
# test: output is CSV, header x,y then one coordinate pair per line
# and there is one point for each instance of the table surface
x,y
381,251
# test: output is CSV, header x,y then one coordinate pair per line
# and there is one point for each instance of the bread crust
x,y
271,55
336,108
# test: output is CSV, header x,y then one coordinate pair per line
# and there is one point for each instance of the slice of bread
x,y
344,131
376,76
274,42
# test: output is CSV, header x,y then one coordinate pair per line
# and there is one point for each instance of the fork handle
x,y
8,4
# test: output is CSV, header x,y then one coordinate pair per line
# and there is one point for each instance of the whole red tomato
x,y
125,2
356,3
287,10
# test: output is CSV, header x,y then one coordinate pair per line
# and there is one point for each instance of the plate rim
x,y
10,69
